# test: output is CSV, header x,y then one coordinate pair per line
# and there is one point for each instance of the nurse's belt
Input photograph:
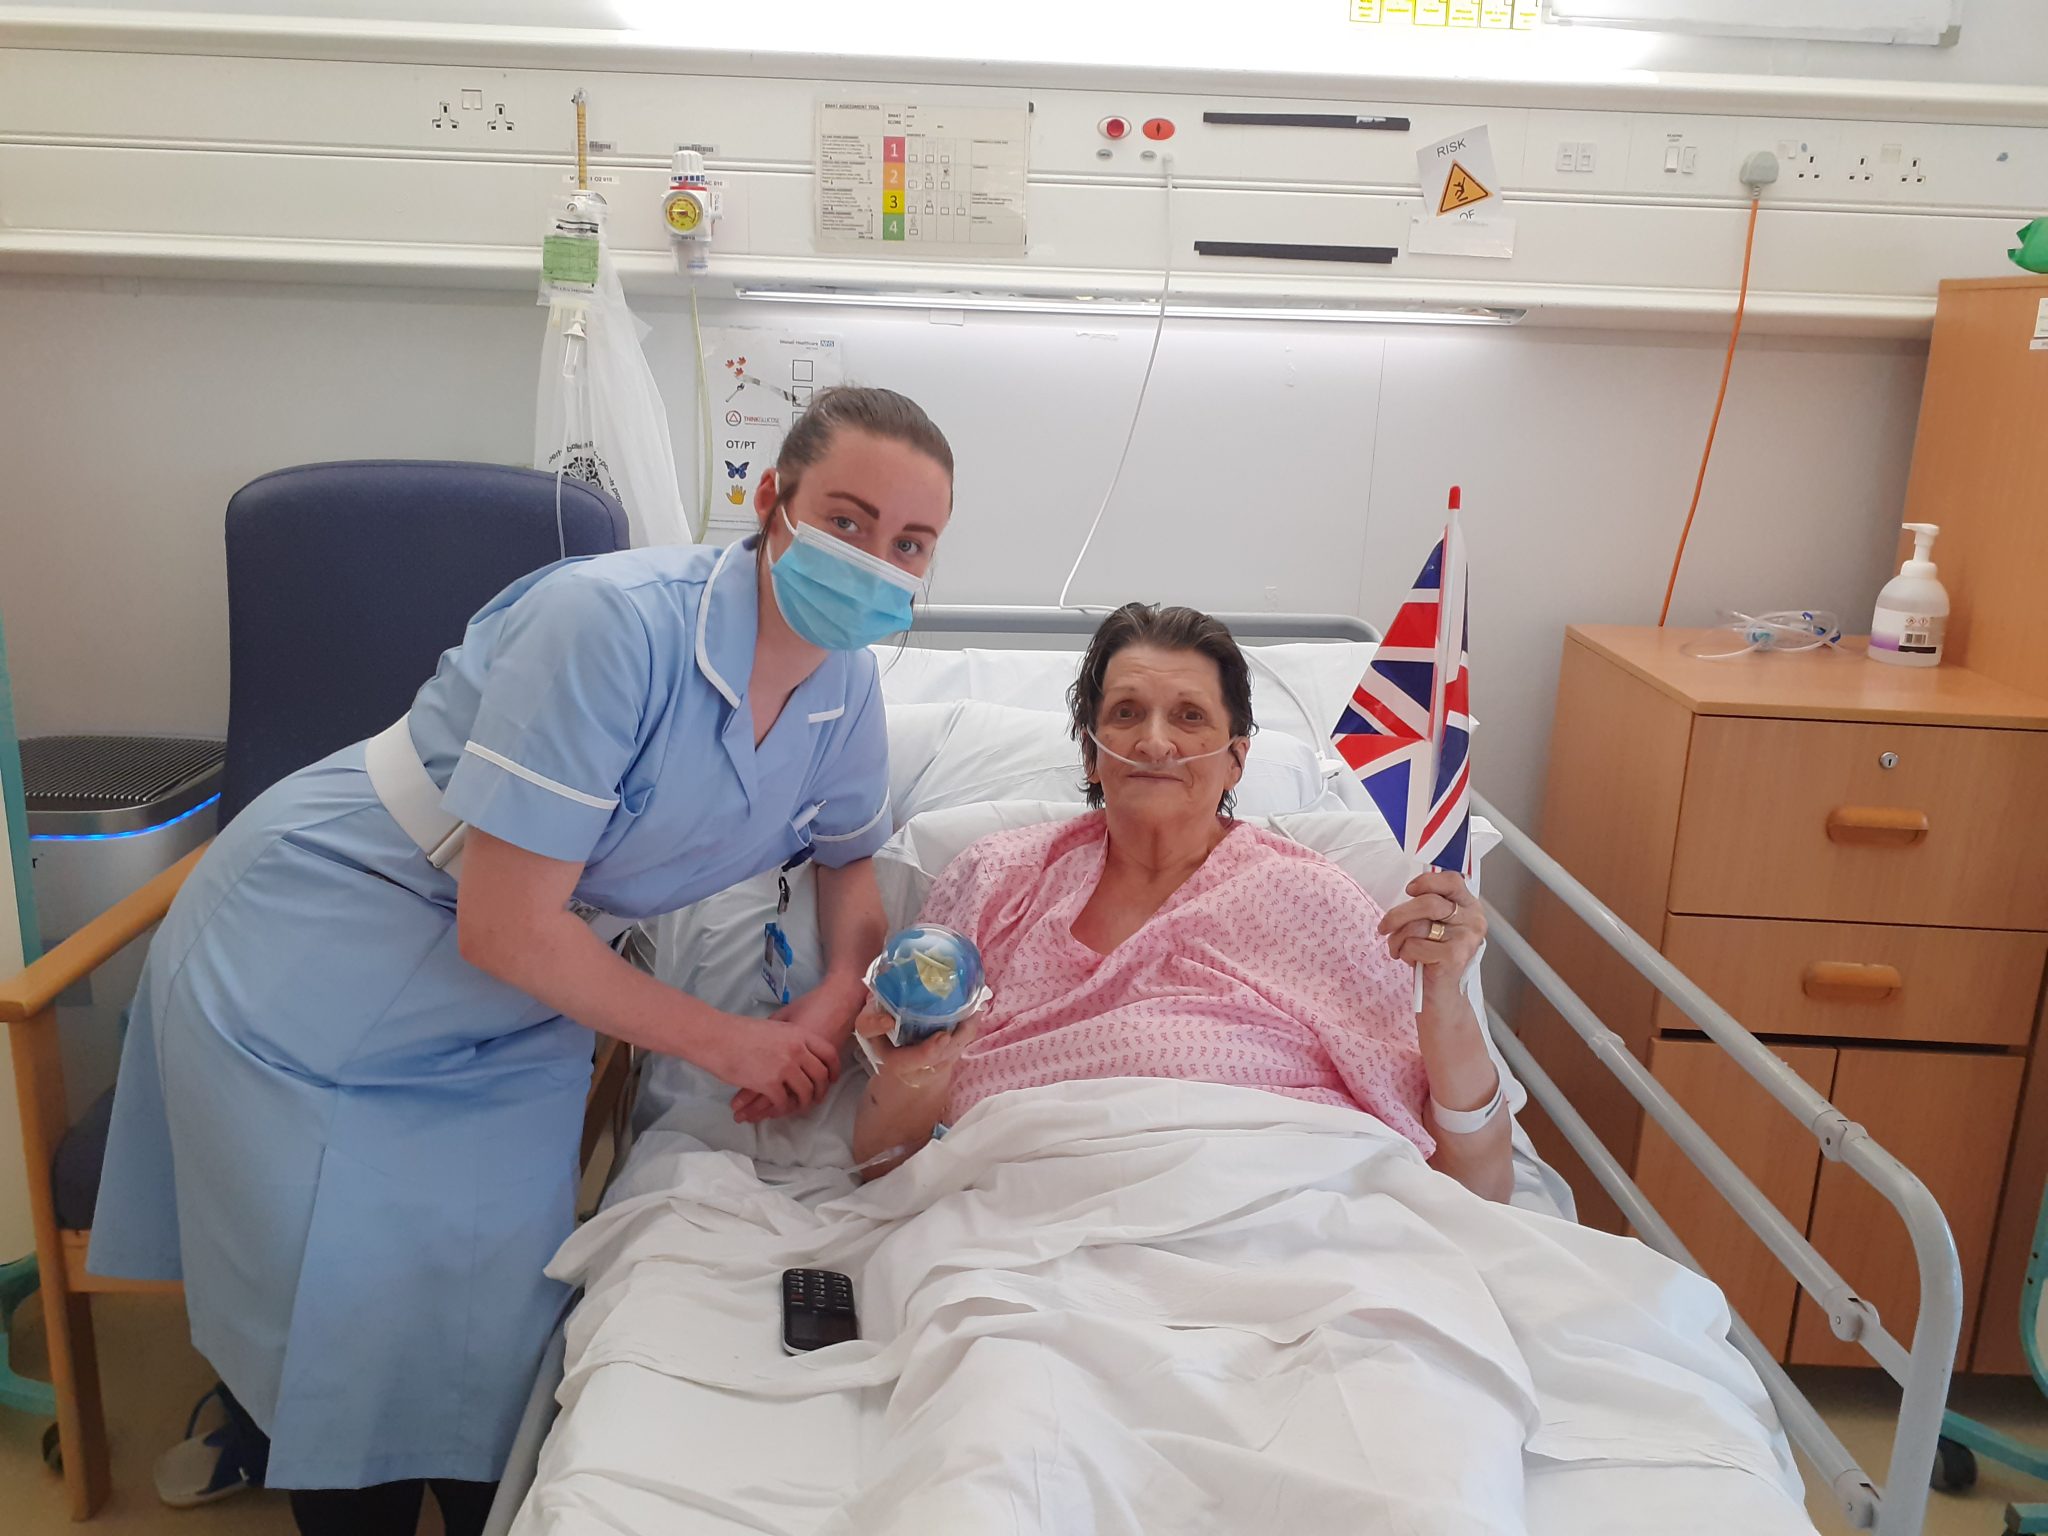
x,y
412,797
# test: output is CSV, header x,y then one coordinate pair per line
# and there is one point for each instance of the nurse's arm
x,y
512,920
851,928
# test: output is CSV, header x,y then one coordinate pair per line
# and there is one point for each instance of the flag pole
x,y
1446,661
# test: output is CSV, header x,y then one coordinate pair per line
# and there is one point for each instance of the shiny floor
x,y
153,1377
1861,1406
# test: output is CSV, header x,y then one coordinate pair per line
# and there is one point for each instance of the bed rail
x,y
1899,1508
1080,623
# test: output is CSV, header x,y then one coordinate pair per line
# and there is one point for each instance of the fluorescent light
x,y
1472,315
1079,304
1014,303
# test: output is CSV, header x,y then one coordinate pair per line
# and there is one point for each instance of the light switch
x,y
1671,158
1567,157
1689,159
1585,157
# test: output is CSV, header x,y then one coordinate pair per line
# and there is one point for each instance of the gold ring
x,y
1437,930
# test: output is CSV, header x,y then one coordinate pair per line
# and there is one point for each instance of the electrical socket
x,y
1803,158
1901,165
472,106
1888,164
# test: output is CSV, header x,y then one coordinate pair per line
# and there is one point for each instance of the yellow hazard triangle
x,y
1462,190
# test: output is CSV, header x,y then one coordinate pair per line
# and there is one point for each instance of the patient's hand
x,y
920,1065
1440,928
909,1093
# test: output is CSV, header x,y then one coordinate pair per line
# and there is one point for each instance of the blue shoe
x,y
217,1462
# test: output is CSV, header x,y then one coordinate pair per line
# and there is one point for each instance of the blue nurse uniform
x,y
356,1149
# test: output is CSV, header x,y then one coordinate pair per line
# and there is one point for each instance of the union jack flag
x,y
1407,732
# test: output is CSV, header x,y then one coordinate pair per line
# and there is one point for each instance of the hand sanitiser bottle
x,y
1912,610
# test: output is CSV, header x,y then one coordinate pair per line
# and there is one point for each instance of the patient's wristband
x,y
1463,1122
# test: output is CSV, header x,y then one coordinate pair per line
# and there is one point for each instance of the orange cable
x,y
1741,302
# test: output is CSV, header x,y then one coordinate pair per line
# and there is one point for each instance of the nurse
x,y
350,1097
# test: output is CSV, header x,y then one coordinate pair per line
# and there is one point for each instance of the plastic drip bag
x,y
598,416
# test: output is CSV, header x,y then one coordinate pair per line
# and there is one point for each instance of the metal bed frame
x,y
1899,1506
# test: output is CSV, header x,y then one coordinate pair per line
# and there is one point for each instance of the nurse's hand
x,y
827,1011
785,1065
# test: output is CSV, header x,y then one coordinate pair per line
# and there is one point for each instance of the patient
x,y
1158,937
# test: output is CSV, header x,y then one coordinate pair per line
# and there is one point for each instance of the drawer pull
x,y
1845,981
1877,826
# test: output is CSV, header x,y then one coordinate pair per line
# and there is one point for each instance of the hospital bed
x,y
955,709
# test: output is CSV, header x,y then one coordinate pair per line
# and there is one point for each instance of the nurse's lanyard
x,y
776,955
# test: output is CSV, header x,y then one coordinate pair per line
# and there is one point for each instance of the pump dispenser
x,y
1912,610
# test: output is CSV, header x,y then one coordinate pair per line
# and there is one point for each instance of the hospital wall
x,y
1297,467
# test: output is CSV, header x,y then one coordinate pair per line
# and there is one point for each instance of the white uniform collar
x,y
732,606
728,624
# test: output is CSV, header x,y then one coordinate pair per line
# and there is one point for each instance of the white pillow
x,y
917,674
1360,845
970,752
1298,690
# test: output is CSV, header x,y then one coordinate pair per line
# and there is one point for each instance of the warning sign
x,y
1462,212
1461,190
1457,174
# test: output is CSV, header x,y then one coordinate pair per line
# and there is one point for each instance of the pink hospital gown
x,y
1265,969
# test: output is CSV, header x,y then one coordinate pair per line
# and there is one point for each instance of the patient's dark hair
x,y
1165,629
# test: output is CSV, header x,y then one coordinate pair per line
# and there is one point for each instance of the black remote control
x,y
817,1310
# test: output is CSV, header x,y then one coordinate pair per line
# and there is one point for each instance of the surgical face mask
x,y
1164,762
836,597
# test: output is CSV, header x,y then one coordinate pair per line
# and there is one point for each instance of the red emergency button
x,y
1159,128
1115,127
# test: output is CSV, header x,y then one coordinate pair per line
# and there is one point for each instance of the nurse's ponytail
x,y
878,412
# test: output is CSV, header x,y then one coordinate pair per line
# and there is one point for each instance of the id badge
x,y
776,956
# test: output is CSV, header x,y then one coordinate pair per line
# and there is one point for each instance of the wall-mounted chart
x,y
1485,15
916,178
757,383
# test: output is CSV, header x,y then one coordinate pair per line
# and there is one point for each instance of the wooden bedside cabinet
x,y
1853,860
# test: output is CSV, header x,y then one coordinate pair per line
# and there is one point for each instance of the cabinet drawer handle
x,y
1845,981
1877,826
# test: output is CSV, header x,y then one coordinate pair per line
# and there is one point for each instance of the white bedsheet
x,y
648,1455
1137,1307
